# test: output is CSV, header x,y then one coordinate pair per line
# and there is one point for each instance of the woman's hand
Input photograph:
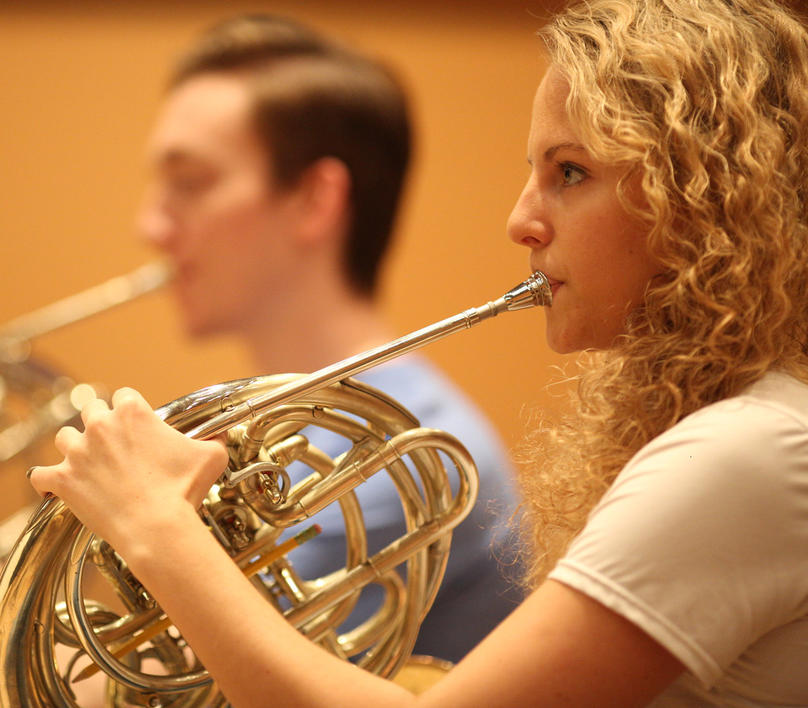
x,y
128,470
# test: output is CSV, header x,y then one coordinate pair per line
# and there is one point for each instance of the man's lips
x,y
182,271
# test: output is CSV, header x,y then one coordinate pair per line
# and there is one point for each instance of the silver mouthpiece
x,y
530,293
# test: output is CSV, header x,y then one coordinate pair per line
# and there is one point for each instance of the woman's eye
x,y
571,174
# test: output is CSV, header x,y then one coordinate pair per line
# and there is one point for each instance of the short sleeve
x,y
703,539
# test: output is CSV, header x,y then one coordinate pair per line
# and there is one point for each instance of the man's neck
x,y
315,332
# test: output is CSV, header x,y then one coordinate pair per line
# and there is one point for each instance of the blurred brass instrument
x,y
21,374
35,399
50,632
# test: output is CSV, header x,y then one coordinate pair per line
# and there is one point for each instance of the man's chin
x,y
201,324
198,329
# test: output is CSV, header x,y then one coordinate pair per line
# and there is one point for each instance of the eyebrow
x,y
174,158
550,152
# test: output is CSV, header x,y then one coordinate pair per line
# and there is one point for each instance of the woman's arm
x,y
559,648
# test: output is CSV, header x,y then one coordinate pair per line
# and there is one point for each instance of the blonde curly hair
x,y
707,102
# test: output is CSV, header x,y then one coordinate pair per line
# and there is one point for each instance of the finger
x,y
40,479
214,459
217,449
65,438
217,461
126,394
93,407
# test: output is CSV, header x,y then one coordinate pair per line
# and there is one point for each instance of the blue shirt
x,y
476,593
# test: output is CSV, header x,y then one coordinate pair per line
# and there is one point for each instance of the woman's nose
x,y
529,224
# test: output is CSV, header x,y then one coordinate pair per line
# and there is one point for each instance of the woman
x,y
666,203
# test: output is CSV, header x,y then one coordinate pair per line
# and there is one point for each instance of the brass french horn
x,y
50,632
53,400
37,398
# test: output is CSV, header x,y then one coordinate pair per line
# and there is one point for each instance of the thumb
x,y
213,459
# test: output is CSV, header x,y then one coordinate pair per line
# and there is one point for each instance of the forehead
x,y
205,115
550,123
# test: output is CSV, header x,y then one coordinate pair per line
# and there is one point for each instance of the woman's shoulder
x,y
776,393
763,427
775,404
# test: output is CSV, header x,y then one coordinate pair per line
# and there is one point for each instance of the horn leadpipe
x,y
532,292
79,306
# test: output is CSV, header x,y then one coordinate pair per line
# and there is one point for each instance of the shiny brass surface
x,y
276,479
36,399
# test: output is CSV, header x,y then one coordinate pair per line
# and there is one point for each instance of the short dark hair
x,y
314,98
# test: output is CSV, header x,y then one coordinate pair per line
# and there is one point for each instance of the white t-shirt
x,y
702,542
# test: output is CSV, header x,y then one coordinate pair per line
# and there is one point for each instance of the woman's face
x,y
593,252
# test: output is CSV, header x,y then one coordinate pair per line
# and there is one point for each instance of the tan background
x,y
80,85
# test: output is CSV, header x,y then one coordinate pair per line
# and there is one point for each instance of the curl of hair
x,y
706,102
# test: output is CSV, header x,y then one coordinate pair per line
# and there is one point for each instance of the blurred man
x,y
278,162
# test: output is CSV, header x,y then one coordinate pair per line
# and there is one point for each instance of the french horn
x,y
51,632
53,400
36,398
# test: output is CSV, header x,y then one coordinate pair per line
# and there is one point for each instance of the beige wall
x,y
80,84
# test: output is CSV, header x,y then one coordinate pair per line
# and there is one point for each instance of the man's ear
x,y
323,194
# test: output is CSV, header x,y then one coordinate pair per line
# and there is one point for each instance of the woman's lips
x,y
553,283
